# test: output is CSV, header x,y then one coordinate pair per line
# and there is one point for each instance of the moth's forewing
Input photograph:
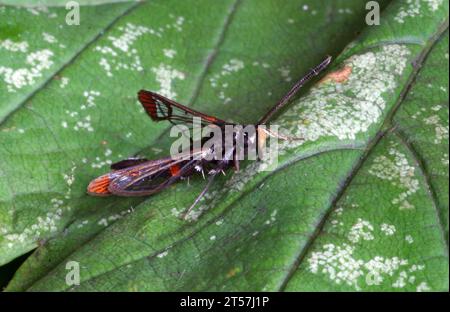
x,y
99,186
153,176
161,108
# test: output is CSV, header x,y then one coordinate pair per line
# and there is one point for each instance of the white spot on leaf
x,y
396,169
165,74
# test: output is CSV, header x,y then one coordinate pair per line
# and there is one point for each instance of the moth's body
x,y
139,177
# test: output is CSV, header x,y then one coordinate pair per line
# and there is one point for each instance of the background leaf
x,y
56,3
361,205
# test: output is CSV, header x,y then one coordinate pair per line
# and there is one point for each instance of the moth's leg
x,y
199,168
236,164
212,174
200,196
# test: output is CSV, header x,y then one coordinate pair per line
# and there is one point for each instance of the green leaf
x,y
42,4
362,204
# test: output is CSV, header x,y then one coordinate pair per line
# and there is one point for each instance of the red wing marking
x,y
99,186
160,108
174,170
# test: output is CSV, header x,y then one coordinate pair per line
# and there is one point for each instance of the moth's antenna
x,y
313,72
